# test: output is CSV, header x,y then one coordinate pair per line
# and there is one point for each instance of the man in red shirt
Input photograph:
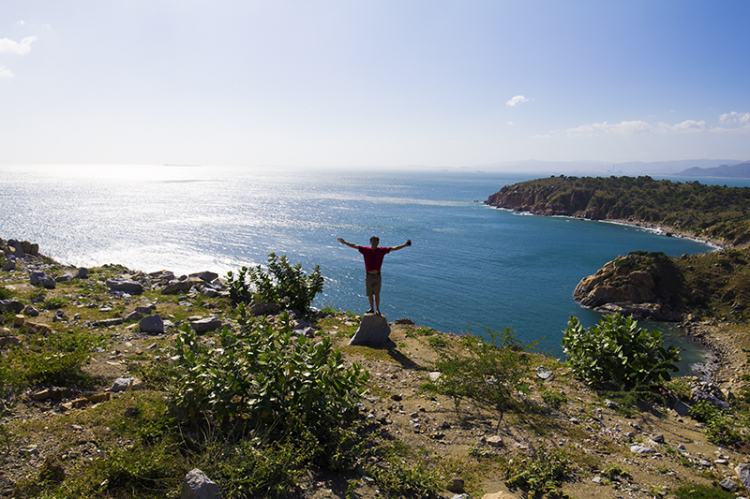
x,y
373,261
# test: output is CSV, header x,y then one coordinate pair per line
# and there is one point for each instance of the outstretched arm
x,y
341,240
401,246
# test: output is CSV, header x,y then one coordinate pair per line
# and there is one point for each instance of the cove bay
x,y
471,266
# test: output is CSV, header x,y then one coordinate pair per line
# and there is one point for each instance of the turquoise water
x,y
470,264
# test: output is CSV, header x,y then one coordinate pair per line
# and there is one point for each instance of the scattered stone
x,y
456,485
373,331
67,276
743,473
121,384
31,311
145,310
658,439
82,273
198,486
11,306
178,286
728,485
495,441
205,325
611,404
544,373
266,308
641,449
153,324
205,276
133,316
125,285
681,408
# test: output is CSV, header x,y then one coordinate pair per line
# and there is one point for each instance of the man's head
x,y
374,241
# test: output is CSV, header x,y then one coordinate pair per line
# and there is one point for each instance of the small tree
x,y
283,283
616,351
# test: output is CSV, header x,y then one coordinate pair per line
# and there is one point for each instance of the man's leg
x,y
372,309
377,303
370,290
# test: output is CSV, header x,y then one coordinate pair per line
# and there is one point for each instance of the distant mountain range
x,y
741,170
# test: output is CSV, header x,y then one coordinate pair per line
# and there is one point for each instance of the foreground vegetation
x,y
708,211
266,411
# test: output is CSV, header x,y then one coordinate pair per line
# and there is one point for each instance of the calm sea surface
x,y
470,265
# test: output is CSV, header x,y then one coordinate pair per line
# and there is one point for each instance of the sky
x,y
357,83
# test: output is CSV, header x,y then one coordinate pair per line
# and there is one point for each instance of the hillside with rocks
x,y
103,429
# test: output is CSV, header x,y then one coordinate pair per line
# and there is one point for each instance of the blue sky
x,y
373,83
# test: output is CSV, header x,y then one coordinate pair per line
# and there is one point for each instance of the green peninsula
x,y
710,212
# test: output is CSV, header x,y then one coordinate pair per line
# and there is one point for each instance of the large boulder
x,y
373,331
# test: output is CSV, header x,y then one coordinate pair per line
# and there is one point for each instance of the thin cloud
x,y
518,99
8,46
622,128
687,126
5,72
637,126
734,118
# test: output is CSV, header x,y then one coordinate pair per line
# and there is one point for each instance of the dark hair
x,y
375,238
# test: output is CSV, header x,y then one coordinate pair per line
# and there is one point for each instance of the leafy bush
x,y
283,283
488,372
616,351
261,378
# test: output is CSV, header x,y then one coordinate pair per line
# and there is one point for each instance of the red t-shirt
x,y
373,257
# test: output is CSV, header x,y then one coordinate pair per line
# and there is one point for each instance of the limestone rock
x,y
198,486
373,331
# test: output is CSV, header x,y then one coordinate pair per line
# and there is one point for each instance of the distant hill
x,y
741,170
706,211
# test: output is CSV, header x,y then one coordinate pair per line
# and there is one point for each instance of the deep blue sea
x,y
471,266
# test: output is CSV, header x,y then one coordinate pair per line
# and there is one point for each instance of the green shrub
x,y
55,303
617,352
488,372
5,293
261,378
554,399
720,429
696,491
544,474
283,283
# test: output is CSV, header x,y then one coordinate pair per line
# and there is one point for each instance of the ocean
x,y
471,267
